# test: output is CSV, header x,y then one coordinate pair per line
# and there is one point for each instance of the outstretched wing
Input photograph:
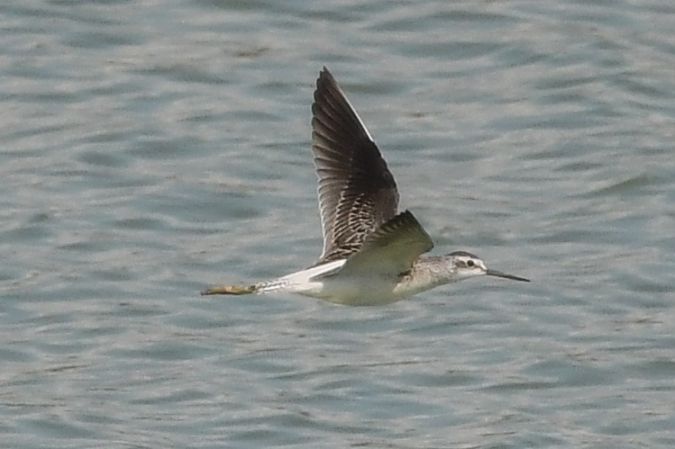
x,y
357,193
391,249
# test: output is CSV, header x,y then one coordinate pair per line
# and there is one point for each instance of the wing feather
x,y
357,192
391,249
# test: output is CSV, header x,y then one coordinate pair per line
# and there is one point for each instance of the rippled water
x,y
149,149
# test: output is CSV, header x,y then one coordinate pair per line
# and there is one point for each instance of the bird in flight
x,y
372,254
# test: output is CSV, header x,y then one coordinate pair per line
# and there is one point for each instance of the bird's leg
x,y
230,290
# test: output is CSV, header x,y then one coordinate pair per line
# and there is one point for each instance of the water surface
x,y
149,149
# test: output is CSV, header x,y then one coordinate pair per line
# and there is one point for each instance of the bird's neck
x,y
426,273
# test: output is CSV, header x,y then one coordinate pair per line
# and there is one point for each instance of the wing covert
x,y
392,248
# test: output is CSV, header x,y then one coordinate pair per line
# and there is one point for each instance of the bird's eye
x,y
469,263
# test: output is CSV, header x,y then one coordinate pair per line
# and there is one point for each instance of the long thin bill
x,y
499,274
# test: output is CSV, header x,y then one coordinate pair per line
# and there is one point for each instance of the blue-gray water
x,y
152,148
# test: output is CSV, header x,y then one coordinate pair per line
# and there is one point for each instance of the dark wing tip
x,y
324,72
325,79
403,219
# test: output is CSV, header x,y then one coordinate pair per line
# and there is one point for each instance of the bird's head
x,y
466,265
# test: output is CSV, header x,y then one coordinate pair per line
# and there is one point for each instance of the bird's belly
x,y
355,291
